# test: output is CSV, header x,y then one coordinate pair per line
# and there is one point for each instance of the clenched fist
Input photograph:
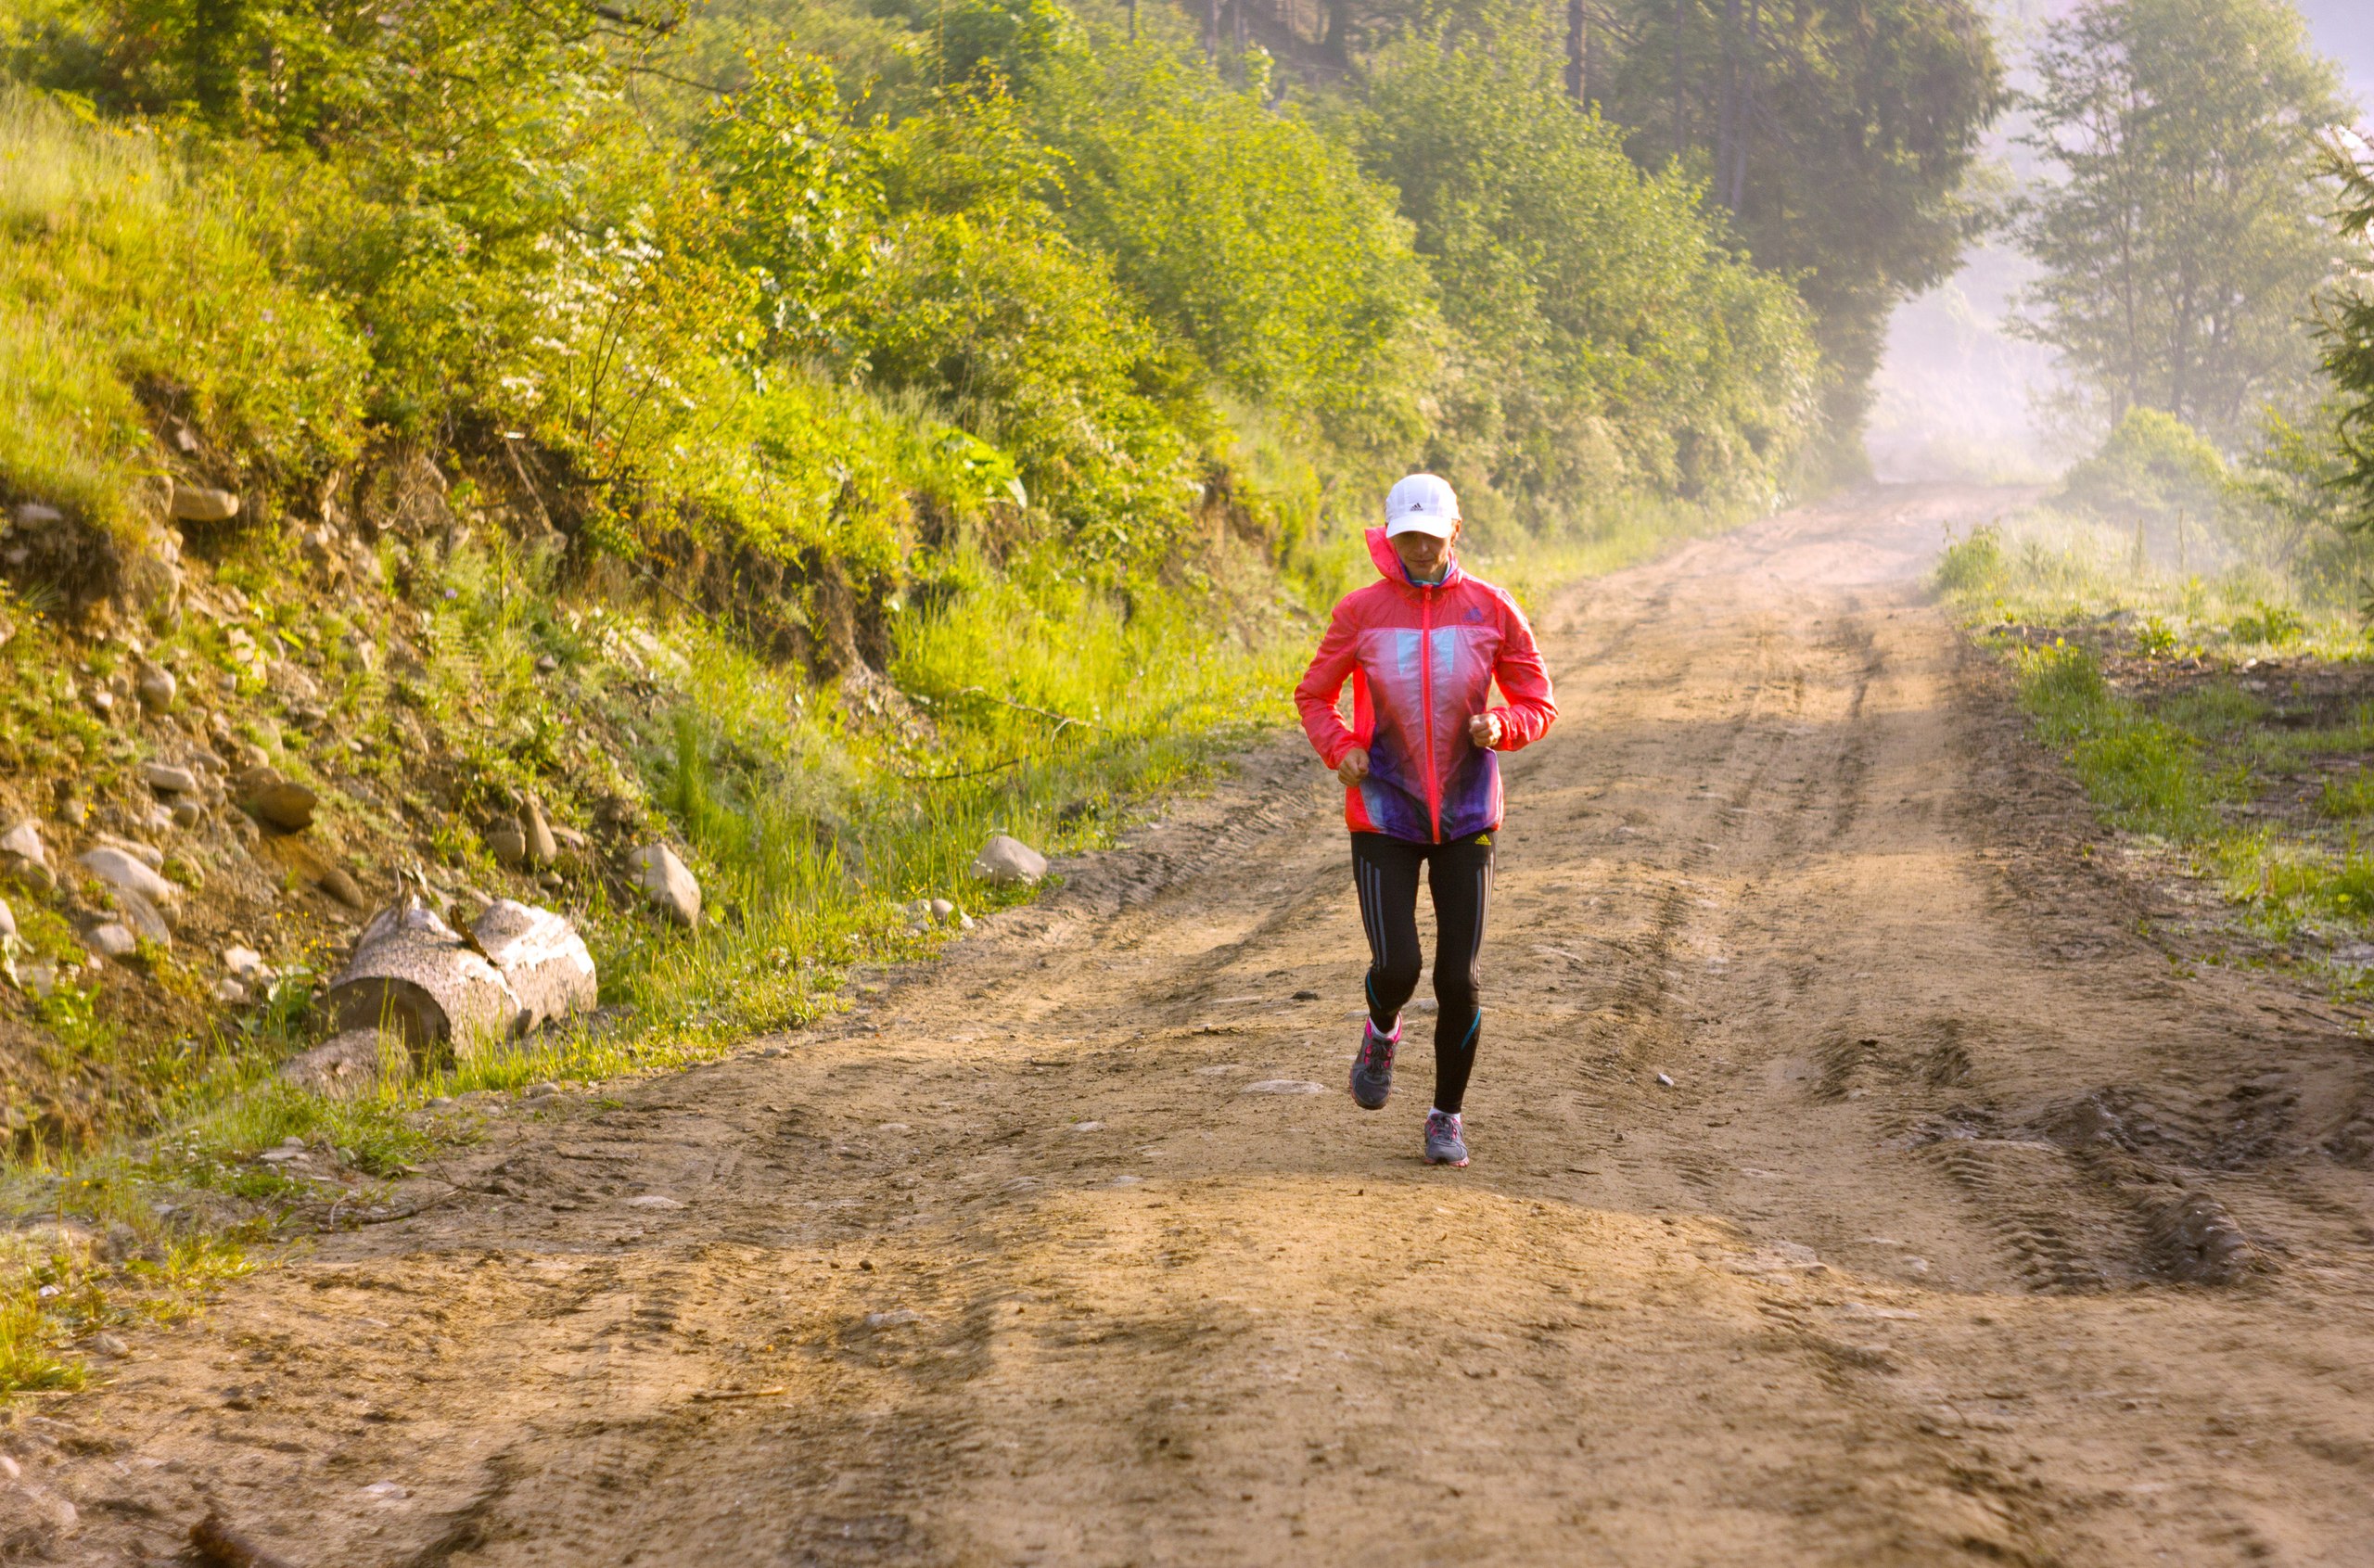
x,y
1484,730
1354,768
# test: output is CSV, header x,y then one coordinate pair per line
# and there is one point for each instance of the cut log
x,y
542,956
414,976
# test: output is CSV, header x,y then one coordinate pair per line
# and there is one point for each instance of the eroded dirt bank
x,y
1971,1227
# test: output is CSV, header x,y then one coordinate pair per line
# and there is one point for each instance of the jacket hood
x,y
1388,564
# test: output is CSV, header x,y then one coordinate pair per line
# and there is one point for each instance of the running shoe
x,y
1445,1144
1372,1068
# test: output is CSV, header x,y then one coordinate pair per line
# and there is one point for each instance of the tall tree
x,y
2183,238
1839,135
2348,331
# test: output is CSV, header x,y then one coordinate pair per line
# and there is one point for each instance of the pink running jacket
x,y
1423,661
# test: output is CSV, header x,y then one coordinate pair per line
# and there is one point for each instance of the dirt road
x,y
1971,1227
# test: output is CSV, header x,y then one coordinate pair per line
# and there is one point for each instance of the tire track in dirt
x,y
1029,1262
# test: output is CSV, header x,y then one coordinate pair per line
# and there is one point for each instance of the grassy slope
x,y
2220,716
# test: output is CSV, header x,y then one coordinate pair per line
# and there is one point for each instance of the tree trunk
x,y
1680,125
1211,30
1736,197
1333,47
1578,32
1727,101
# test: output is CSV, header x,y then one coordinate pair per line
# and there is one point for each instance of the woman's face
x,y
1422,556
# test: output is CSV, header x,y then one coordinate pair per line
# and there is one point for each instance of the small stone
x,y
111,940
1006,863
569,840
108,1344
942,910
506,844
898,1319
1306,996
385,1492
667,882
187,814
537,833
167,779
1664,1079
23,843
142,916
201,504
34,517
40,977
7,919
546,664
274,801
1282,1086
442,1101
245,964
118,869
540,1091
654,1200
230,992
146,854
155,686
963,922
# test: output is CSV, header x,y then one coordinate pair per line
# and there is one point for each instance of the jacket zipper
x,y
1426,701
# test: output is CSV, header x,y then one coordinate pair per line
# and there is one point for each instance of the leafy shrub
x,y
1248,233
2153,466
1973,564
2274,625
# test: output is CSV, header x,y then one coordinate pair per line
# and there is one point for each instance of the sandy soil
x,y
1971,1227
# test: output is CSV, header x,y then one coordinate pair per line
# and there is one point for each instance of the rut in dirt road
x,y
1969,1228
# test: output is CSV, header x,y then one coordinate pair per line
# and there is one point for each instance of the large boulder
x,y
667,882
1007,863
7,919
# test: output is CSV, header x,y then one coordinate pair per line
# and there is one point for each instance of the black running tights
x,y
1459,875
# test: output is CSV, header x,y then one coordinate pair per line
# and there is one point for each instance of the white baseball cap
x,y
1420,503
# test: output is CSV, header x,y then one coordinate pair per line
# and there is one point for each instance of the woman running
x,y
1421,780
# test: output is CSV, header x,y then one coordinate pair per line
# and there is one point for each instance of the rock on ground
x,y
536,833
667,882
346,1064
157,685
22,844
202,504
168,778
1007,863
117,868
274,801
